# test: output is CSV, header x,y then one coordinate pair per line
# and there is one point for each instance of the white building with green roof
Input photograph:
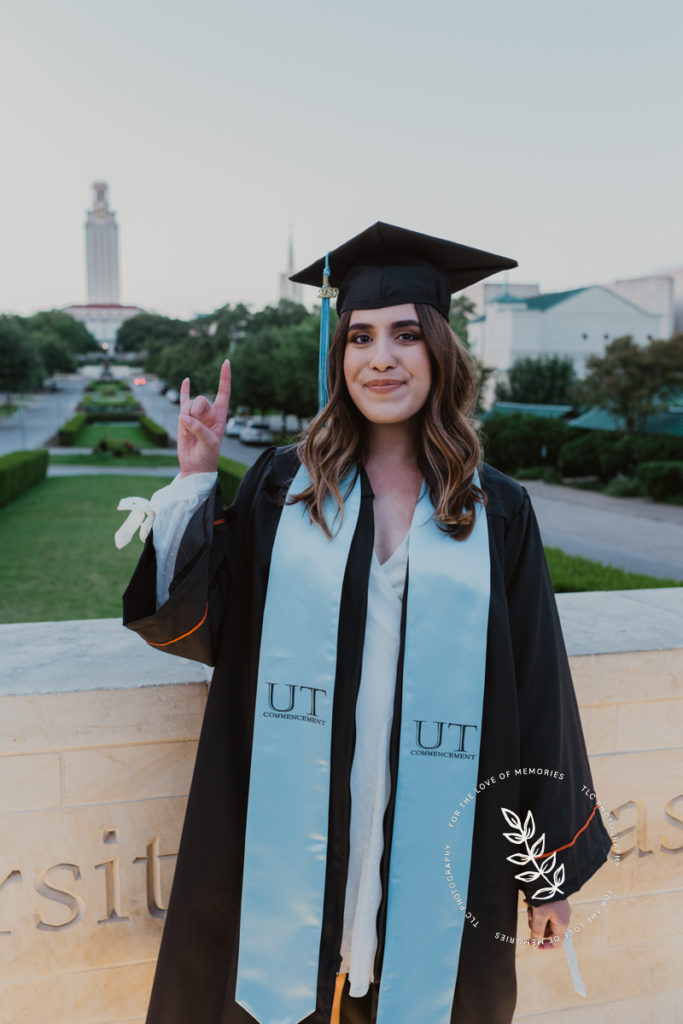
x,y
575,324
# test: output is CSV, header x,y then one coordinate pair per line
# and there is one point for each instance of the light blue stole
x,y
287,819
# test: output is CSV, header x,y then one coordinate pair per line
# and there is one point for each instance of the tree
x,y
285,314
150,332
194,358
461,312
254,371
55,353
547,380
666,359
59,326
20,366
297,368
226,325
632,381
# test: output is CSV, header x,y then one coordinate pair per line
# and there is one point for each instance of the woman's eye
x,y
359,339
408,336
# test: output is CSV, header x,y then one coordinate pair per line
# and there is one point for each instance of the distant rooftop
x,y
554,412
660,423
540,302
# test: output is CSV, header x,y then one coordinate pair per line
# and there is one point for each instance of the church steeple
x,y
289,289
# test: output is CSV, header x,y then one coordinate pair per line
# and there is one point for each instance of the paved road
x,y
629,533
65,470
42,416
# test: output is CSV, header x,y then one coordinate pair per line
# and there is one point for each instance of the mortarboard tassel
x,y
326,293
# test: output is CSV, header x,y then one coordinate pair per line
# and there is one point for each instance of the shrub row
x,y
67,432
101,398
118,448
523,445
116,414
229,475
157,435
19,471
520,440
108,385
661,479
605,454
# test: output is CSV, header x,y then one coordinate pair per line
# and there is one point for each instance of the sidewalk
x,y
168,471
629,533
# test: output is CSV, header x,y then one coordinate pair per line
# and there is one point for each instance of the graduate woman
x,y
391,715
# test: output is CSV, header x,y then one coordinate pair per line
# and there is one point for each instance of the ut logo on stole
x,y
430,736
282,702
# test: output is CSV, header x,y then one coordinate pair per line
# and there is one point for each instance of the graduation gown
x,y
530,730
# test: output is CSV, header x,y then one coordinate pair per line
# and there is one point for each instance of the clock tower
x,y
103,314
102,250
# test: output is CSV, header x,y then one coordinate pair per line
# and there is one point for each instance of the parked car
x,y
235,426
256,432
173,396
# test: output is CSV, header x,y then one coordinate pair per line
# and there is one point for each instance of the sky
x,y
542,131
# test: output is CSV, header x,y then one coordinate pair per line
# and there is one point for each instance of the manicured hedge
x,y
114,414
118,448
606,454
517,440
68,431
19,471
104,399
108,385
661,479
229,475
581,455
157,435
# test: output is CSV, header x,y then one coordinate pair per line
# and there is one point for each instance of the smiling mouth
x,y
384,385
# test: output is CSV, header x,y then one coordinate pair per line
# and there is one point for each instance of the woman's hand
x,y
549,924
201,426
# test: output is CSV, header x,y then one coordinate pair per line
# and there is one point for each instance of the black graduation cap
x,y
387,266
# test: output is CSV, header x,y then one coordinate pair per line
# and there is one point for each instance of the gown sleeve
x,y
555,777
183,497
188,622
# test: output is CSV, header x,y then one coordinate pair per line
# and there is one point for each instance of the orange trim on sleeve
x,y
182,637
217,522
567,845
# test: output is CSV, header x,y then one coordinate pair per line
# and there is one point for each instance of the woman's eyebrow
x,y
396,323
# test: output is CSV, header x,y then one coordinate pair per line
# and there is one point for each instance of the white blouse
x,y
370,773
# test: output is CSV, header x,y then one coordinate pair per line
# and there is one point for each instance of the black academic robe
x,y
530,725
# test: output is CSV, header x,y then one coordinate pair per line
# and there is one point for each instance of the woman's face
x,y
386,363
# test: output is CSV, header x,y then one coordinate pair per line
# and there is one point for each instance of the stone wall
x,y
627,665
93,780
97,741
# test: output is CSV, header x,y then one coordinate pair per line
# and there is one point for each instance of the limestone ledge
x,y
92,796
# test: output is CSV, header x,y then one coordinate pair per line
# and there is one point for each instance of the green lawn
x,y
58,555
572,573
93,433
59,560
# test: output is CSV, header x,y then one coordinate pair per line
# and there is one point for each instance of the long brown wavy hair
x,y
335,441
